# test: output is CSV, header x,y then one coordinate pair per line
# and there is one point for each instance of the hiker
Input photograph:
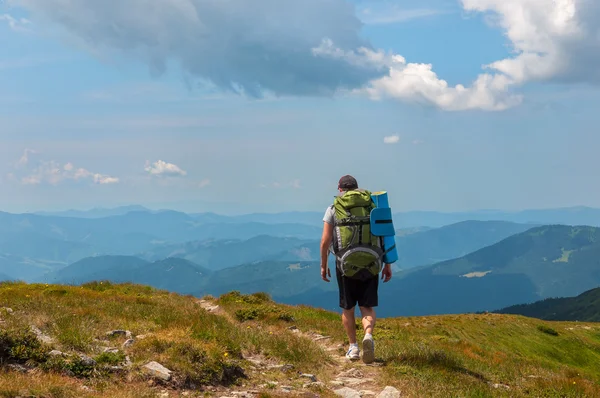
x,y
358,274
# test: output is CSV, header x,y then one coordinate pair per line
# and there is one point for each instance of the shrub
x,y
547,330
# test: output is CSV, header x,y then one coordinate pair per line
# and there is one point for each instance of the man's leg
x,y
349,324
348,305
367,304
368,319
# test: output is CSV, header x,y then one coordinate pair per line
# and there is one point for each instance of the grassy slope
x,y
432,356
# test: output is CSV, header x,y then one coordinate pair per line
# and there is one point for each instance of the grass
x,y
200,348
470,355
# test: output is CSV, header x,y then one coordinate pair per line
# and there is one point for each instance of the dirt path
x,y
350,379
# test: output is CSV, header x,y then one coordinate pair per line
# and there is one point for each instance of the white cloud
x,y
380,14
314,47
54,173
16,24
391,139
555,40
418,142
162,168
24,159
203,183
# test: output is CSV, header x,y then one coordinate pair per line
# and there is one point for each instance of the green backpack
x,y
358,253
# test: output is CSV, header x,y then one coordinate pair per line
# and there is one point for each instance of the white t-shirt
x,y
329,213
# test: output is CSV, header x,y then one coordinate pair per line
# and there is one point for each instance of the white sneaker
x,y
353,353
368,346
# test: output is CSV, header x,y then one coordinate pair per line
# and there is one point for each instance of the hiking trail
x,y
345,378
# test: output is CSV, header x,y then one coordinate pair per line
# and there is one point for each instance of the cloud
x,y
381,14
391,139
556,41
162,168
418,142
315,48
16,24
53,172
203,183
24,160
418,83
238,45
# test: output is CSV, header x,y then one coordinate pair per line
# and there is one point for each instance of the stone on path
x,y
389,392
346,392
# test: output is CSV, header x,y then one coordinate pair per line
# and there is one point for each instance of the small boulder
x,y
157,370
309,376
389,392
87,361
128,343
347,392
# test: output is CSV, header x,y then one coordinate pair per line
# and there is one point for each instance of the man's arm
x,y
325,243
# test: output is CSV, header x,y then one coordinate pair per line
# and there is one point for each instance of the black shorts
x,y
356,291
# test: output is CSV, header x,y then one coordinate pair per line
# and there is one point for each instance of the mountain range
x,y
467,266
576,215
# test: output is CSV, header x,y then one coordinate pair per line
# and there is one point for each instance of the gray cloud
x,y
237,45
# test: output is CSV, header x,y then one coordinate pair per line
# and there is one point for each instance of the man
x,y
353,290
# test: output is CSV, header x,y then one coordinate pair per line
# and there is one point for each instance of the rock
x,y
283,368
352,381
41,336
499,385
17,368
112,350
208,306
309,376
347,392
367,393
318,384
119,332
389,392
164,394
7,310
142,336
56,353
354,372
337,383
128,361
157,370
87,361
128,343
287,388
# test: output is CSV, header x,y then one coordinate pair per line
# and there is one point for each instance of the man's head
x,y
347,183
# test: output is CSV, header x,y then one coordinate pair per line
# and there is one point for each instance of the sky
x,y
239,106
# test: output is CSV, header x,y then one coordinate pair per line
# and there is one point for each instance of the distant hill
x,y
217,254
97,212
25,269
425,246
578,215
174,274
452,241
582,308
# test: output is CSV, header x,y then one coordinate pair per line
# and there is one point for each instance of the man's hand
x,y
325,272
386,273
